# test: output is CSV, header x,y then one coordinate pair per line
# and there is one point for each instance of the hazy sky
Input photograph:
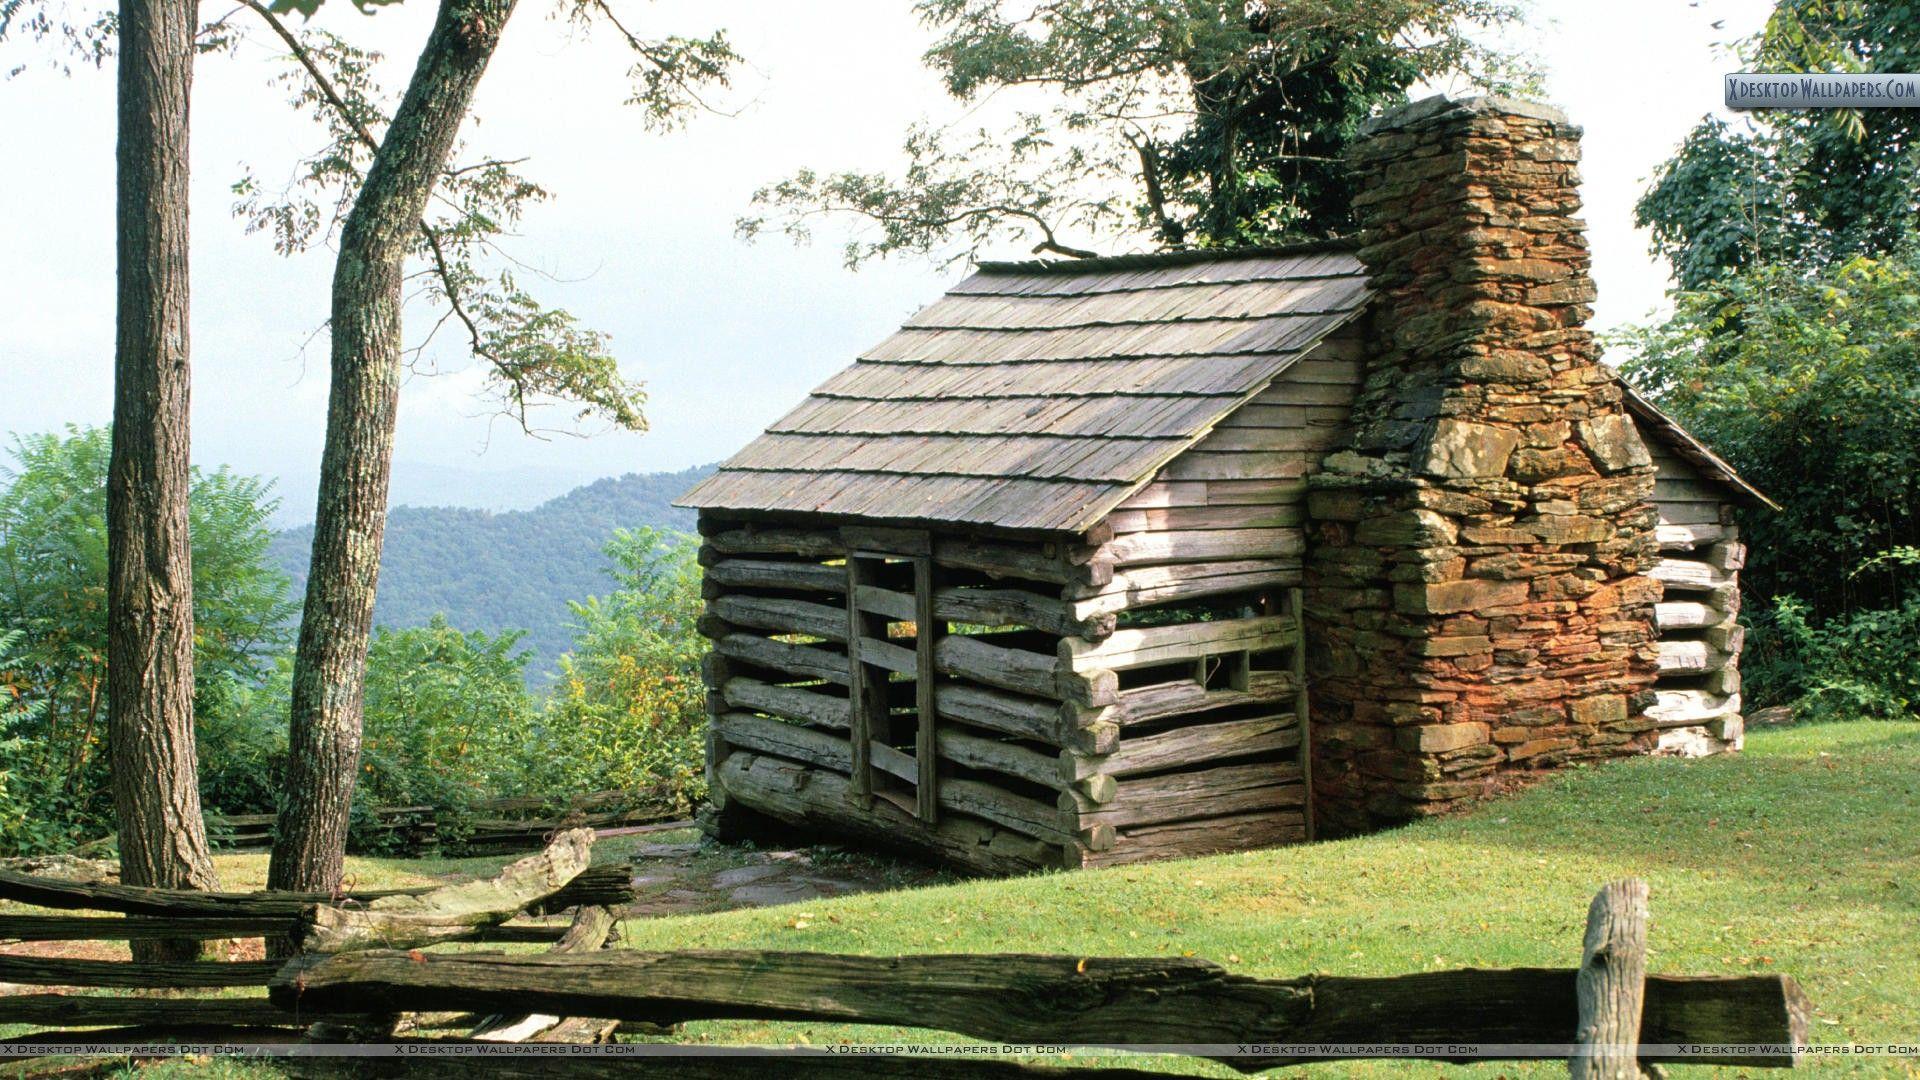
x,y
726,335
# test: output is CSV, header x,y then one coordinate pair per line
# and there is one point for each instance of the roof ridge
x,y
1150,259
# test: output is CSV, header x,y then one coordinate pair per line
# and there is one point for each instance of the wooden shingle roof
x,y
1037,396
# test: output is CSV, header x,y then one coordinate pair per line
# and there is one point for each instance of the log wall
x,y
1698,689
1074,725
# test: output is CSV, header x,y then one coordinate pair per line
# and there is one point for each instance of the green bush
x,y
53,592
629,709
1863,663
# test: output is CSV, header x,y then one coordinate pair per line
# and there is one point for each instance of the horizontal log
x,y
1045,999
1182,641
996,755
129,975
790,702
108,928
978,659
416,1059
888,602
1690,657
1284,439
776,574
1031,562
1164,494
1205,545
782,616
1684,708
1191,744
1018,607
1201,793
1687,537
814,798
450,912
1686,574
596,885
803,661
1156,519
883,540
758,540
1676,489
1205,836
1143,586
895,763
1200,464
1011,714
785,740
887,655
1686,615
100,1010
1028,817
1693,513
1186,697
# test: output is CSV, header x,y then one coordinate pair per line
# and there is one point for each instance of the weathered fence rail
x,y
1609,1007
491,825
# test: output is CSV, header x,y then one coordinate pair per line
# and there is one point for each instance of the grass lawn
x,y
1800,855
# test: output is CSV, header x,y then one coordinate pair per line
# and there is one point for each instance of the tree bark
x,y
350,521
156,786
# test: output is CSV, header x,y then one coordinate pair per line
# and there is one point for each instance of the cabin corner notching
x,y
1121,559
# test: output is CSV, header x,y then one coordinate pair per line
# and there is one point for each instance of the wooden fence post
x,y
1611,984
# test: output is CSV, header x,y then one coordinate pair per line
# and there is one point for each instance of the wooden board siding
x,y
1227,516
1697,693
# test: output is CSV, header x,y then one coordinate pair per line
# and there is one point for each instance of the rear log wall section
x,y
1698,690
1097,703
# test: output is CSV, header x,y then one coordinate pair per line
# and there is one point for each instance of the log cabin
x,y
1109,560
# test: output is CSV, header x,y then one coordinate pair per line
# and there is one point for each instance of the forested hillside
x,y
507,571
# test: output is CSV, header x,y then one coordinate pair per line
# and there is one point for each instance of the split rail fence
x,y
343,989
507,824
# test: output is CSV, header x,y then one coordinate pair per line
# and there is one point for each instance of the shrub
x,y
629,709
1863,663
53,593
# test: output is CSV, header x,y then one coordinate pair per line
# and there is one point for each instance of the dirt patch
x,y
693,877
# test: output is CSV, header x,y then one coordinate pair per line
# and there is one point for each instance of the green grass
x,y
1801,855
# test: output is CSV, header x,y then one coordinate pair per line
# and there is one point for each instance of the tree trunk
x,y
156,786
330,659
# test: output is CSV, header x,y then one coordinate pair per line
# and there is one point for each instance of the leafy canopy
x,y
1191,123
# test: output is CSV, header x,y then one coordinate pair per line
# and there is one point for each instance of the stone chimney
x,y
1477,594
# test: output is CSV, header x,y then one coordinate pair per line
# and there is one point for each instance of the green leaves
x,y
1181,123
53,593
1808,382
309,8
1807,187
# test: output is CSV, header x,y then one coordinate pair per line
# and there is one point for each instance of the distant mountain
x,y
425,483
507,571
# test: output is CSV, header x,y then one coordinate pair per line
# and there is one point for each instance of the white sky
x,y
726,335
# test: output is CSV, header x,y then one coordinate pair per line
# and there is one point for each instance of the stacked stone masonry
x,y
1479,589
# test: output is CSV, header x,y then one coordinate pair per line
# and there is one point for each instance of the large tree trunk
x,y
330,660
156,786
